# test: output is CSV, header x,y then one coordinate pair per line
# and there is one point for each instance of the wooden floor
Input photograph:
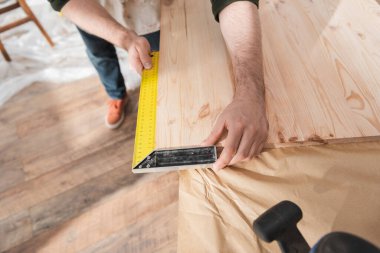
x,y
66,182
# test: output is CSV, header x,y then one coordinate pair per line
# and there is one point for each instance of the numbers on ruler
x,y
146,117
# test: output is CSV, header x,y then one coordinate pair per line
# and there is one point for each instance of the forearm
x,y
240,26
93,18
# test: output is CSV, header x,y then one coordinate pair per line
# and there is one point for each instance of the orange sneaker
x,y
116,114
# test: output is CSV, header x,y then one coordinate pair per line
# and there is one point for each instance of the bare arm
x,y
245,118
93,18
240,26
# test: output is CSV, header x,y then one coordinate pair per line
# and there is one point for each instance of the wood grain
x,y
194,80
321,62
322,83
64,174
130,220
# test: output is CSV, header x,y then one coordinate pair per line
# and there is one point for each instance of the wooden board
x,y
321,63
194,80
321,70
66,183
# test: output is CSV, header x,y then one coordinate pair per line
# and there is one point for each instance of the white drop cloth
x,y
34,60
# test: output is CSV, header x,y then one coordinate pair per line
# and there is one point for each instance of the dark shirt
x,y
217,5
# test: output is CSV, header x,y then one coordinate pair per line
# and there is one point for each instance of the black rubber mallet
x,y
280,223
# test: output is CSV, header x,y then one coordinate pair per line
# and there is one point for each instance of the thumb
x,y
215,134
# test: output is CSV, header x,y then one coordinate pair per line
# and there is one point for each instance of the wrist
x,y
249,85
245,94
125,38
252,96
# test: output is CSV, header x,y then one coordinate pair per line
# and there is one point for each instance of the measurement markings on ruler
x,y
145,136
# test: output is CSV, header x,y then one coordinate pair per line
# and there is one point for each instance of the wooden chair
x,y
30,17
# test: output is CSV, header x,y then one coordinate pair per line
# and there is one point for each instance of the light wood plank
x,y
321,72
194,81
322,82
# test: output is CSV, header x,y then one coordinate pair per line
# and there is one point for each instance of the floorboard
x,y
66,183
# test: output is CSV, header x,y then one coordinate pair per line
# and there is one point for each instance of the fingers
x,y
244,147
144,53
215,134
135,62
240,146
139,54
232,144
256,149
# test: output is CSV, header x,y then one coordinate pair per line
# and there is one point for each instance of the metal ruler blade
x,y
145,136
179,158
145,157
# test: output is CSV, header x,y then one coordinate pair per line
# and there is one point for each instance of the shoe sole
x,y
117,124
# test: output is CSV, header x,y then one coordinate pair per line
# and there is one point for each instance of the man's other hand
x,y
94,19
138,52
247,130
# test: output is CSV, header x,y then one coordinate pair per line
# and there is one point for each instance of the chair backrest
x,y
29,17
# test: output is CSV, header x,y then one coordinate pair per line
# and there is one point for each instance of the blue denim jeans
x,y
103,57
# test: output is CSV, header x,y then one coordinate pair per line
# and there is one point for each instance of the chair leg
x,y
4,52
29,12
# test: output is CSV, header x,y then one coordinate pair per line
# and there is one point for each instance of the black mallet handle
x,y
280,223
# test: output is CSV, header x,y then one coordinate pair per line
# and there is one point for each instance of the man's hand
x,y
138,52
247,128
244,118
94,19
